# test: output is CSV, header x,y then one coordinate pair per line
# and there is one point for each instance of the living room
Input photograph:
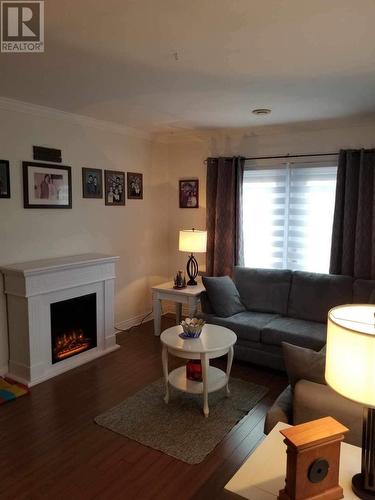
x,y
232,141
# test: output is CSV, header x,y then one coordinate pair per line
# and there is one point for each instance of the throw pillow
x,y
303,363
223,296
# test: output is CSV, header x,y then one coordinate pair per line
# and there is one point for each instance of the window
x,y
287,217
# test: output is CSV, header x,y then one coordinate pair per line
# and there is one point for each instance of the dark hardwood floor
x,y
50,447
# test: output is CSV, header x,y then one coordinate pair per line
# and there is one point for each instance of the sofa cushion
x,y
294,331
246,325
223,296
312,295
312,401
280,411
259,354
303,363
263,290
205,303
363,291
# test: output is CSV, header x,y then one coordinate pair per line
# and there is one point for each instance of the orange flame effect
x,y
70,343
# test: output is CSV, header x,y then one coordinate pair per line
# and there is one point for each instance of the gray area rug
x,y
179,428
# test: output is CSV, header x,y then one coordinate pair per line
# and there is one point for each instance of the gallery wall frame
x,y
114,188
189,193
92,182
4,179
46,185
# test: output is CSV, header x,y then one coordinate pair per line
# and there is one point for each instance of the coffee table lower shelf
x,y
217,379
215,341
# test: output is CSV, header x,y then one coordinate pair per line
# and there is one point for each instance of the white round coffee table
x,y
214,341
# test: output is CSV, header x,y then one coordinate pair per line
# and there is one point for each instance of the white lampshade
x,y
192,240
350,356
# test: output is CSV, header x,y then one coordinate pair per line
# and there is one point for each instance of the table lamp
x,y
192,241
350,371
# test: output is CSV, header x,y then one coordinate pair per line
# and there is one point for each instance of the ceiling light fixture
x,y
261,111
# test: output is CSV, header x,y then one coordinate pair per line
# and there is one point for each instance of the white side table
x,y
214,341
262,476
189,295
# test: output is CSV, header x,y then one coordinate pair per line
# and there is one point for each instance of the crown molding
x,y
201,135
13,105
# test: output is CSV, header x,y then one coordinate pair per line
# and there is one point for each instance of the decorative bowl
x,y
192,328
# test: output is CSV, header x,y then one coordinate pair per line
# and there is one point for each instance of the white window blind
x,y
287,217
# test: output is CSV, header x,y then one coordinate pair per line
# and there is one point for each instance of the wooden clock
x,y
313,459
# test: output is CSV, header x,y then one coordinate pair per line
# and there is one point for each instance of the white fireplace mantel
x,y
31,287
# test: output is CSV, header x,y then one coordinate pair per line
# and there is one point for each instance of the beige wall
x,y
143,233
137,232
187,152
185,161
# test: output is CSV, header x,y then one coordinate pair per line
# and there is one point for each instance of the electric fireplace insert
x,y
73,326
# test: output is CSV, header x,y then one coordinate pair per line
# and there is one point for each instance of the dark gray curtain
x,y
353,236
224,215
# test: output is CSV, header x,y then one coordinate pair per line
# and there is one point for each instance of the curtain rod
x,y
289,156
281,156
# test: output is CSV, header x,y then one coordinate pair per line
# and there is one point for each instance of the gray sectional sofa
x,y
276,306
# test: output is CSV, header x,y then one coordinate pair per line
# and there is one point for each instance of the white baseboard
x,y
3,370
134,321
170,308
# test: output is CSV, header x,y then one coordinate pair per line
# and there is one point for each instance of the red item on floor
x,y
194,370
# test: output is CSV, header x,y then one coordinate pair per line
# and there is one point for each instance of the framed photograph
x,y
46,186
92,183
114,182
189,193
4,179
135,186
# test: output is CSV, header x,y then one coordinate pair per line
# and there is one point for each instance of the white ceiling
x,y
116,60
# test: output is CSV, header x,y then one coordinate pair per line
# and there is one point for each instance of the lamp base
x,y
363,484
359,490
192,270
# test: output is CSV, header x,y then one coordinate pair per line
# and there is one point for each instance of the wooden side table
x,y
262,475
189,295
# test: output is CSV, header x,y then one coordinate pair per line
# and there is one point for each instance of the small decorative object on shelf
x,y
192,328
179,281
194,370
313,458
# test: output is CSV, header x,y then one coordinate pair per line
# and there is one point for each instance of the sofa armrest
x,y
206,304
280,411
312,401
